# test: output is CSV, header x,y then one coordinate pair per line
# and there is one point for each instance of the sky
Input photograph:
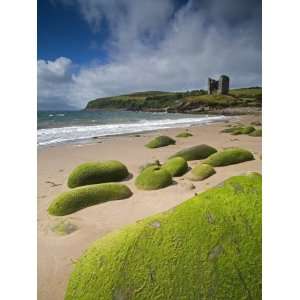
x,y
96,48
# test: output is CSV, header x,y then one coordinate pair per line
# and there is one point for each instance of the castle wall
x,y
220,86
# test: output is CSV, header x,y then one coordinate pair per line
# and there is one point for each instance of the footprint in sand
x,y
53,184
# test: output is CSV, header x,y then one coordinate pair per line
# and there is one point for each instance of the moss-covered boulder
x,y
79,198
229,156
160,141
97,172
201,172
209,247
256,132
196,152
184,134
153,178
176,166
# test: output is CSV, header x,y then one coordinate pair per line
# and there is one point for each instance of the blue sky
x,y
96,48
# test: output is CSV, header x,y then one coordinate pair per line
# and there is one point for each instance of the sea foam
x,y
50,136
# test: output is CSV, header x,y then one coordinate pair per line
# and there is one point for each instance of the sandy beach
x,y
57,253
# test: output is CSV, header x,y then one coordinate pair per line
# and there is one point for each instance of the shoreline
x,y
57,253
87,140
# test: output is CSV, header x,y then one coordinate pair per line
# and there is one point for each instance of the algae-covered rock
x,y
231,129
229,156
150,164
82,197
160,141
201,172
64,227
97,172
176,166
208,247
196,152
184,134
243,130
256,132
153,178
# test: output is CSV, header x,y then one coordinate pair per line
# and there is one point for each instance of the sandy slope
x,y
57,253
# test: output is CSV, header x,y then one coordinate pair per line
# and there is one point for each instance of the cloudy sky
x,y
95,48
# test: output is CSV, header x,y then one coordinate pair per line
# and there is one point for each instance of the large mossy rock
x,y
201,172
153,178
229,156
160,141
196,152
209,247
176,166
97,172
82,197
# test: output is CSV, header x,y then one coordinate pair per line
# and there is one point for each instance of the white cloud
x,y
151,48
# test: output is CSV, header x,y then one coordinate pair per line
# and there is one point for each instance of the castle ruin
x,y
220,87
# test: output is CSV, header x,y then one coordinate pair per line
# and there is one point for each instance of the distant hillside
x,y
197,101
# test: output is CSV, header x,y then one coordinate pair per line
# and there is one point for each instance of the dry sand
x,y
57,253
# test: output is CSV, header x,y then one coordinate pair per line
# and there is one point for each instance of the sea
x,y
56,127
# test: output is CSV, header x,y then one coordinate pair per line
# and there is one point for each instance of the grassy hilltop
x,y
196,101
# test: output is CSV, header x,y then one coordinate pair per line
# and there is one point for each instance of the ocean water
x,y
71,126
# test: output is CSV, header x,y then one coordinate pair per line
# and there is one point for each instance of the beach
x,y
57,253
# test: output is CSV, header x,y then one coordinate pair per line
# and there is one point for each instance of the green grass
x,y
160,141
229,156
82,197
195,153
176,166
97,172
184,134
178,101
201,172
246,92
153,178
256,132
208,247
64,227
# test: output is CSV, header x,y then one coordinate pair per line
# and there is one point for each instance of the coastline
x,y
182,126
56,254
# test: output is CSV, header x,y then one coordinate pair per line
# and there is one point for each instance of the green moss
x,y
97,172
232,129
195,153
228,157
160,141
243,130
64,227
79,198
150,164
184,134
176,166
256,132
153,178
201,172
209,247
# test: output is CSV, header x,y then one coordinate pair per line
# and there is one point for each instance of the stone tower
x,y
220,87
223,87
